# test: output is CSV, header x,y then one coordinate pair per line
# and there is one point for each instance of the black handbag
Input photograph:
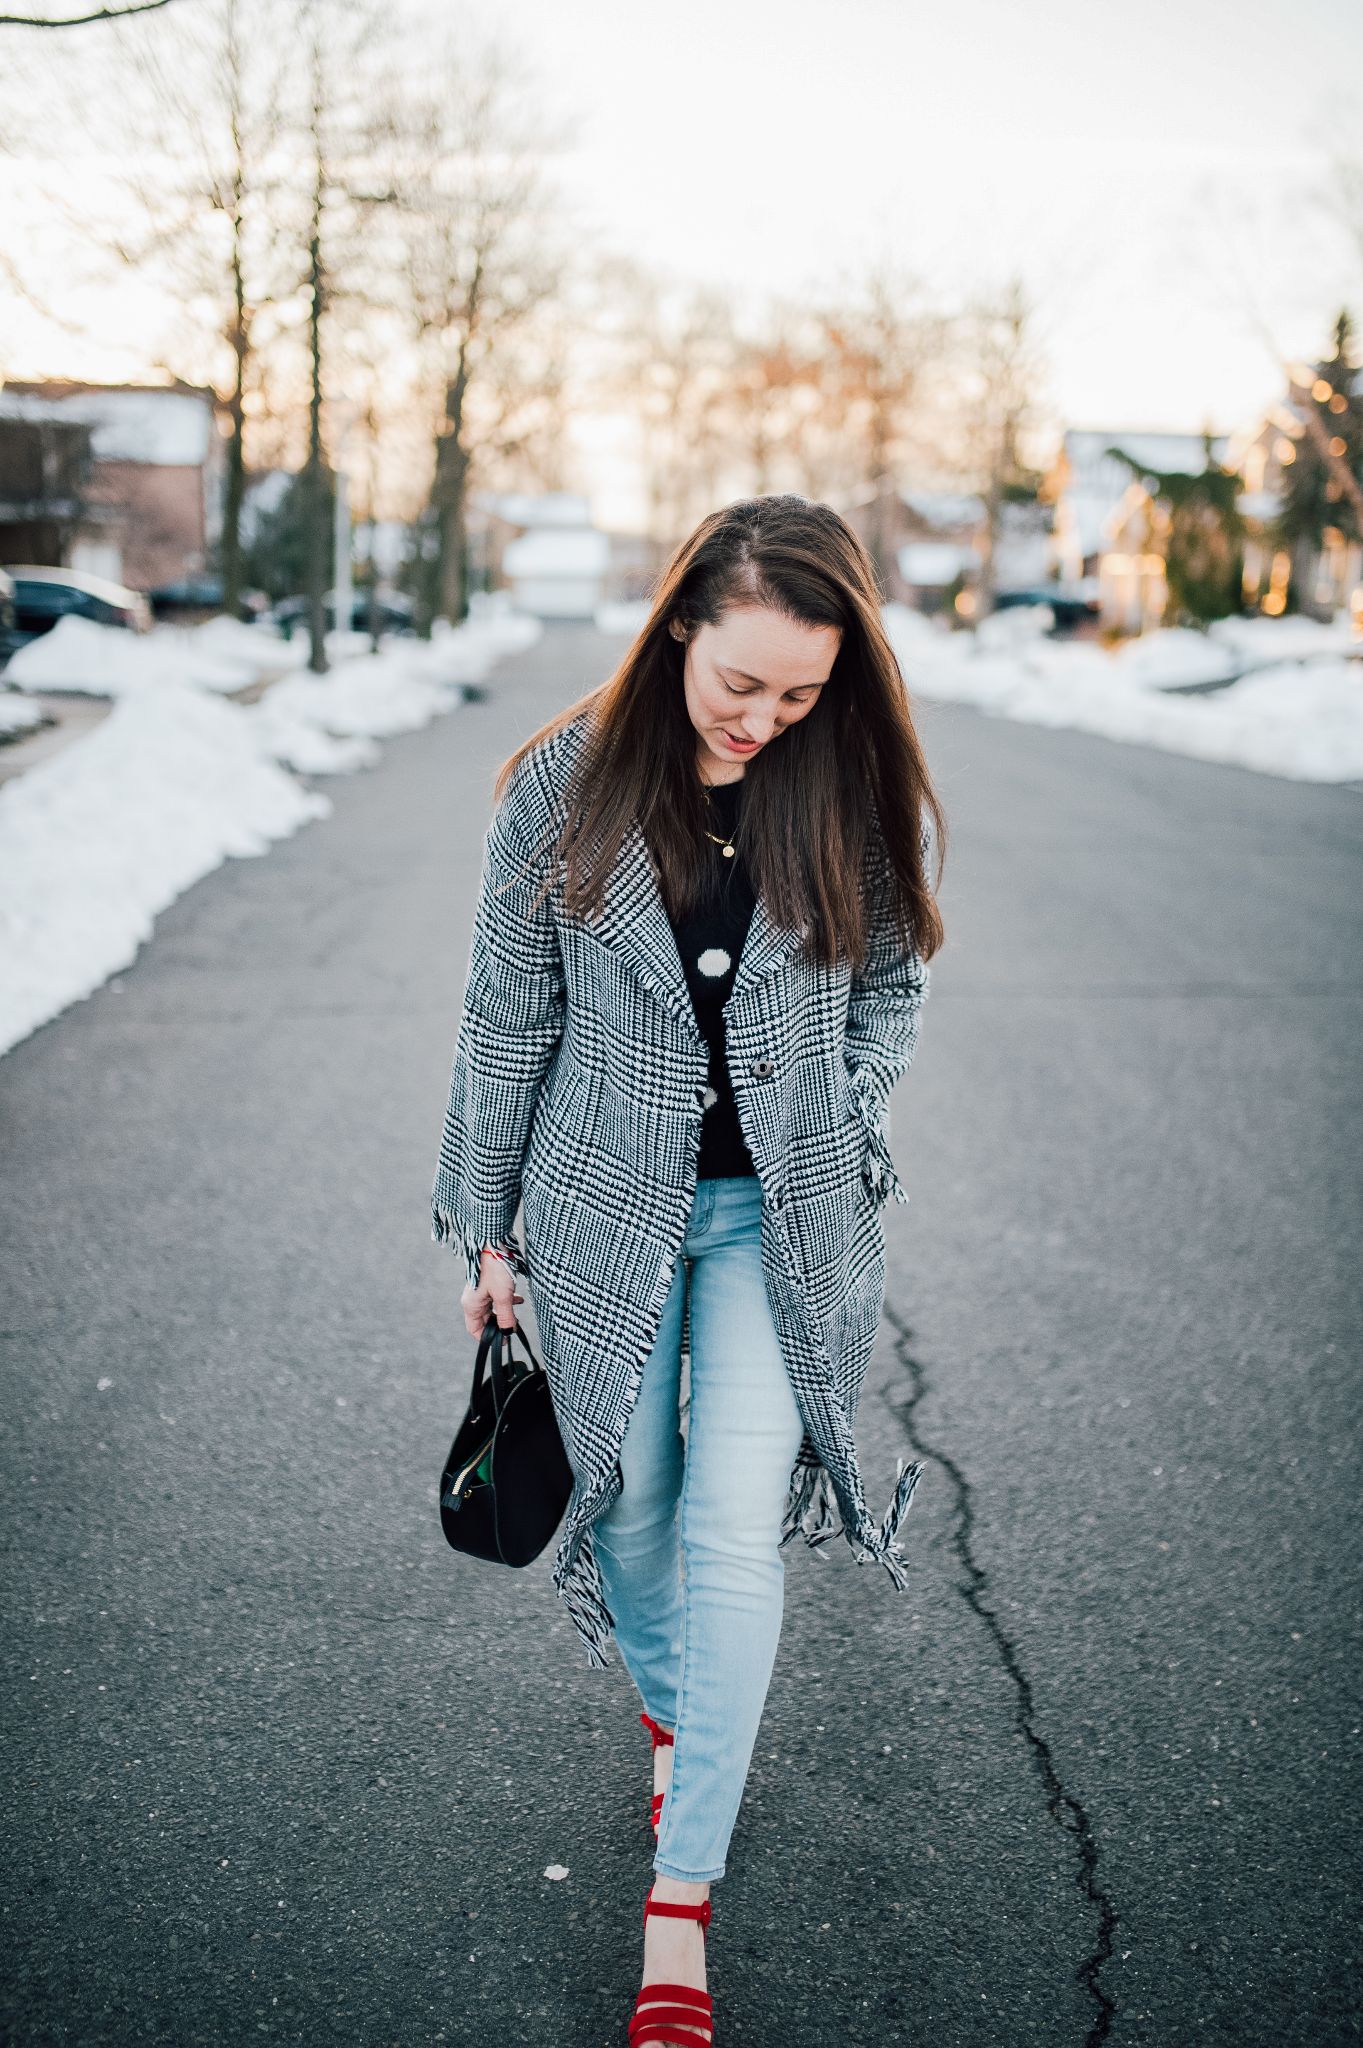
x,y
507,1479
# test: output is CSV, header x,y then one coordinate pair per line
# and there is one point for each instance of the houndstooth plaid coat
x,y
577,1093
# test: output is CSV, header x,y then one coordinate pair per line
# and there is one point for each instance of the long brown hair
x,y
848,775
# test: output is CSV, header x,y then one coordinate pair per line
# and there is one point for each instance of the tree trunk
x,y
1302,583
879,531
453,544
234,494
372,521
239,340
984,596
319,525
449,488
234,497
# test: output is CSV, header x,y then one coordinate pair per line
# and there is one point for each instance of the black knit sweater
x,y
710,944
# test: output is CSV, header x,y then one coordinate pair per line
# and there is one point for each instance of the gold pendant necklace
x,y
726,844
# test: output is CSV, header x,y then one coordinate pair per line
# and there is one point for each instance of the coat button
x,y
763,1066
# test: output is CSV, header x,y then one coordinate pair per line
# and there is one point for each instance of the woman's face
x,y
747,679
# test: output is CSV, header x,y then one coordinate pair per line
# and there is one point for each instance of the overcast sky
x,y
1153,172
1144,166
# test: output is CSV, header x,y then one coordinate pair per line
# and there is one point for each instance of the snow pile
x,y
18,714
256,651
226,655
299,733
109,661
453,654
493,628
1293,716
1299,719
327,725
1261,642
1174,658
1021,625
98,839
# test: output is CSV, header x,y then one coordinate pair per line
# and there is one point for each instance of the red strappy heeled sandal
x,y
673,2012
661,1739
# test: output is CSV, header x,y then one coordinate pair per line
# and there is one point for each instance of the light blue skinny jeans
x,y
698,1623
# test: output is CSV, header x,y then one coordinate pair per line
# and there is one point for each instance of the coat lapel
x,y
635,924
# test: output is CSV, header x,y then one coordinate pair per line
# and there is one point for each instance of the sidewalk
x,y
70,716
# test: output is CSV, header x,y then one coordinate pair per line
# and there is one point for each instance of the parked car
x,y
200,597
9,638
1072,608
397,614
42,596
196,597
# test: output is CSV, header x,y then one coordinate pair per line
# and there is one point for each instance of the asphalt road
x,y
285,1768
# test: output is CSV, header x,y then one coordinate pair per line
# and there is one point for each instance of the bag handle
x,y
495,1343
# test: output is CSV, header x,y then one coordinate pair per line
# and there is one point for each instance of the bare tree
x,y
996,373
187,117
209,210
1345,201
666,351
773,396
684,384
230,198
466,217
326,151
880,349
318,523
1238,270
82,20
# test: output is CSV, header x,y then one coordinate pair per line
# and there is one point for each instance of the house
x,y
45,462
935,547
558,572
1323,580
935,543
1107,522
924,541
121,480
544,547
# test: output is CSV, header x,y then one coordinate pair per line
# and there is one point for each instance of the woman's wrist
x,y
508,1251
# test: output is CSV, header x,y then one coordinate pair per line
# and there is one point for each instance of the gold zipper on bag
x,y
478,1468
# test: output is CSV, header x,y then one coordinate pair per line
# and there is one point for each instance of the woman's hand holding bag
x,y
494,1295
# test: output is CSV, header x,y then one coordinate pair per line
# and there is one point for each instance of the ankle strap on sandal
x,y
700,1912
660,1735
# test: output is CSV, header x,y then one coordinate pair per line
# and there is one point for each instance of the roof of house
x,y
1086,448
169,425
1098,480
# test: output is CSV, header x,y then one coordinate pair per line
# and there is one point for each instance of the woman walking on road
x,y
698,960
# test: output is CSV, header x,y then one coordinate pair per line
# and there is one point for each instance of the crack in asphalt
x,y
1065,1810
